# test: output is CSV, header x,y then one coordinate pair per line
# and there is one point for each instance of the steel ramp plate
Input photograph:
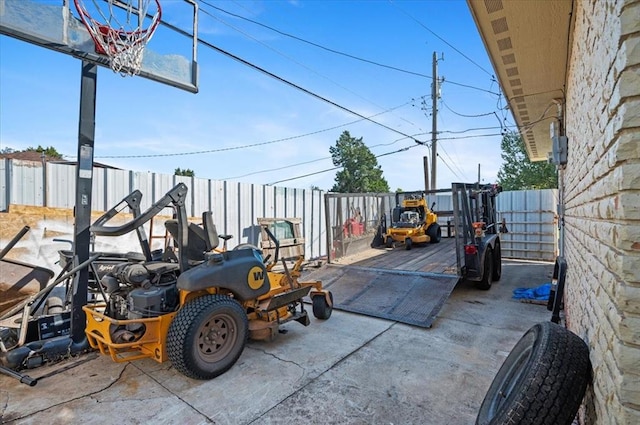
x,y
414,298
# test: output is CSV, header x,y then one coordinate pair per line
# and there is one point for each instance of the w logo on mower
x,y
255,278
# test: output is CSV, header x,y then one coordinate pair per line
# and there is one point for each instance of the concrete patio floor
x,y
350,369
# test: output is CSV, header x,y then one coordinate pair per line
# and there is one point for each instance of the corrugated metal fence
x,y
531,216
236,207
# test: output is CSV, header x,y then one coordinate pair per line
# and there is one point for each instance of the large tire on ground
x,y
408,243
321,308
497,262
542,381
434,232
207,336
487,271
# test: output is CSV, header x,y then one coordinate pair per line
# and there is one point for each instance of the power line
x,y
465,115
445,163
308,162
297,87
337,168
441,39
292,59
470,137
454,163
470,87
254,144
337,52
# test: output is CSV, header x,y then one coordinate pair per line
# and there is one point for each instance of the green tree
x,y
49,151
518,173
360,170
187,172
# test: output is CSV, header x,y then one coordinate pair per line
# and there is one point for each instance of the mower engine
x,y
139,290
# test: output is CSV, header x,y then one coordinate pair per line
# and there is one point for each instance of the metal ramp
x,y
410,297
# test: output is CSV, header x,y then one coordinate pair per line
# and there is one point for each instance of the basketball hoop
x,y
123,31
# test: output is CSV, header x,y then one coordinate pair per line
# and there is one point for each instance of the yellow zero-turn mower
x,y
412,222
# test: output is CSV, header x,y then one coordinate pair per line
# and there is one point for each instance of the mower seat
x,y
197,244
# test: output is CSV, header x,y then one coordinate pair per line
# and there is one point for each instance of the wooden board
x,y
431,258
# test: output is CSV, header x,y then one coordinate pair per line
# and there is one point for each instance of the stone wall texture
x,y
601,185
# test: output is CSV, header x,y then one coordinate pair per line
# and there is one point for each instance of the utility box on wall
x,y
558,155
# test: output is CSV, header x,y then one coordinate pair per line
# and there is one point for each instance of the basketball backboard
x,y
169,58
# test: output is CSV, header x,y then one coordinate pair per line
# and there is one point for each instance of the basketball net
x,y
121,29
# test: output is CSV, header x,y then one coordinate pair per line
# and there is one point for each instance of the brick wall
x,y
602,201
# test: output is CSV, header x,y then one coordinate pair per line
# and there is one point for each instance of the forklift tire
x,y
434,232
207,336
407,244
321,309
497,262
389,242
487,271
542,380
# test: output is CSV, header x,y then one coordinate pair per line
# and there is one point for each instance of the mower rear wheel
x,y
321,308
434,232
207,336
407,244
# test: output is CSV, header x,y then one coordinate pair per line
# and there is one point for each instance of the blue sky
x,y
243,123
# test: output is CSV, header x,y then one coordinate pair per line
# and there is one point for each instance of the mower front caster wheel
x,y
389,242
321,308
407,244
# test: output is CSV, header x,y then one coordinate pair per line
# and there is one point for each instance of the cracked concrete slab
x,y
350,369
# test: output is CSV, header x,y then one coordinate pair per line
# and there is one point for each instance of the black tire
x,y
321,309
487,271
389,242
434,232
408,243
497,262
207,336
542,381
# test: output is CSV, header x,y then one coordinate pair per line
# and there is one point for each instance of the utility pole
x,y
434,123
425,163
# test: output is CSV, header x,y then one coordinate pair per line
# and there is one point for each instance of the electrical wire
x,y
249,36
297,87
256,67
308,162
440,38
469,137
445,81
284,139
338,167
337,52
447,165
455,164
465,115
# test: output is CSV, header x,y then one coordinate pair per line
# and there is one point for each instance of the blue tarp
x,y
539,293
